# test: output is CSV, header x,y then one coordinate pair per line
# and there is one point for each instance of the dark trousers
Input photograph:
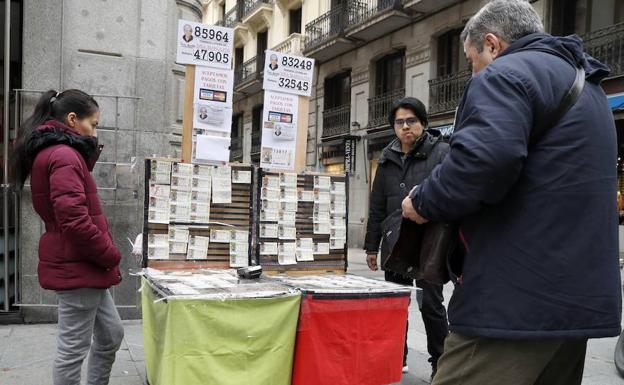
x,y
478,361
433,314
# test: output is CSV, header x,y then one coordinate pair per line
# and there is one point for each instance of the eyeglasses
x,y
409,121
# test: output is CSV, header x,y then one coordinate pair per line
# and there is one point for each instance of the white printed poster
x,y
204,45
288,73
214,89
209,149
279,131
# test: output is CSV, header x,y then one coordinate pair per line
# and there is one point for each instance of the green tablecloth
x,y
220,342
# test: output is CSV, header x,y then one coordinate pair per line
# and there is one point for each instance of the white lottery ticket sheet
x,y
270,194
222,185
289,217
220,236
287,232
180,197
201,196
337,243
268,230
198,247
180,212
183,170
202,171
269,248
338,232
338,208
338,187
158,216
288,194
269,216
305,195
321,196
241,176
322,182
271,182
321,248
240,236
178,234
200,212
288,180
201,184
181,183
177,247
161,171
160,191
321,228
270,205
288,205
287,253
321,217
305,244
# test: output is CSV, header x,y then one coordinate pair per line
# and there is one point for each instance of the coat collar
x,y
53,132
421,149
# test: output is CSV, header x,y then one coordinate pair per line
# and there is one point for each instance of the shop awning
x,y
616,102
331,142
446,130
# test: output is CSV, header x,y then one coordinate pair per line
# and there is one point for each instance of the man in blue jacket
x,y
538,220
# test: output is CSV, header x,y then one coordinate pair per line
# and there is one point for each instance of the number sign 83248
x,y
297,63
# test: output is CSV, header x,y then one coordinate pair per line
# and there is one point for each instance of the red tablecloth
x,y
345,340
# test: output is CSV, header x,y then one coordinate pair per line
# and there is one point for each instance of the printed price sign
x,y
204,45
288,73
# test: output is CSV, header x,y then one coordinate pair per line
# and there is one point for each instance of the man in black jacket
x,y
538,217
403,164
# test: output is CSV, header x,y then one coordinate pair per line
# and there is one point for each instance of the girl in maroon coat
x,y
58,148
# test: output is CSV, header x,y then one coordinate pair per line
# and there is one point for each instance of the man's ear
x,y
494,44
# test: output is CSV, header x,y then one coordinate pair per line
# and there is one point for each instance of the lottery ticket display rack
x,y
194,218
302,222
216,227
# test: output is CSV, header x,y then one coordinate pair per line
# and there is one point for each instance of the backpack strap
x,y
566,103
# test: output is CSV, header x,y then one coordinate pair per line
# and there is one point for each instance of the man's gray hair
x,y
508,20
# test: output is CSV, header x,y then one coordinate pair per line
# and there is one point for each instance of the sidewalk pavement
x,y
27,351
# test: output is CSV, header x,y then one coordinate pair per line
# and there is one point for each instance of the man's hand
x,y
371,260
410,213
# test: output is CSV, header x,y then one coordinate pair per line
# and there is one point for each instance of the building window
x,y
236,136
261,46
389,86
451,57
256,133
237,126
337,105
584,16
390,73
295,20
338,90
239,57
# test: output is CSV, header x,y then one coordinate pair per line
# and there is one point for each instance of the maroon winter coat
x,y
77,249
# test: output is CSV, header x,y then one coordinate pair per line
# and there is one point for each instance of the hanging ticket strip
x,y
197,216
201,216
302,222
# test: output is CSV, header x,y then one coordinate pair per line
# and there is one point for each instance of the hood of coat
x,y
569,48
54,132
421,149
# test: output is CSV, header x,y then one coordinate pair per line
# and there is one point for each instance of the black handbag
x,y
418,251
